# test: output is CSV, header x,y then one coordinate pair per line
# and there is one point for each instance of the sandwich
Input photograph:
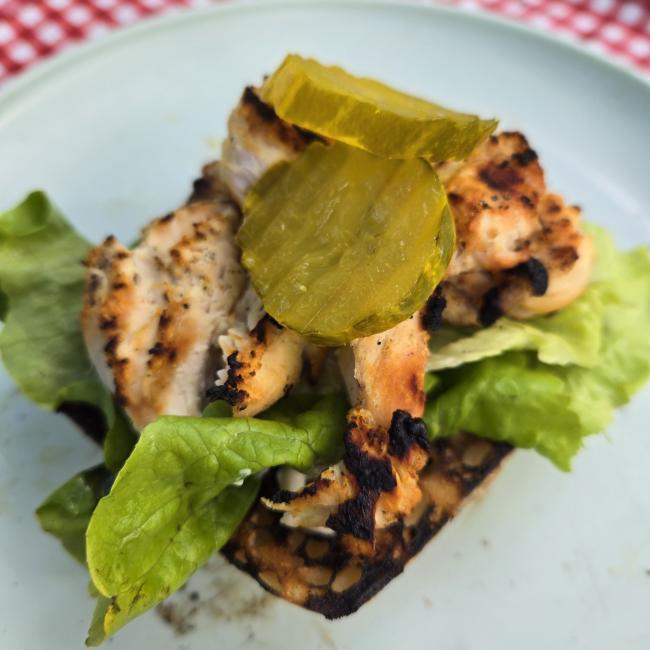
x,y
362,309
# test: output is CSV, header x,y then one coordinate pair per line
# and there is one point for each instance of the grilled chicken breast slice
x,y
152,315
520,250
374,486
385,372
261,360
262,365
257,139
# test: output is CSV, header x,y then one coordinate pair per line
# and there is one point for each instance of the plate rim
x,y
47,70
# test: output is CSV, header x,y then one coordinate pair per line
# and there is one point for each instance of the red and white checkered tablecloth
x,y
31,30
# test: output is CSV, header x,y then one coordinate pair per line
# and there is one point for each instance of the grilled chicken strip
x,y
374,486
385,372
262,365
257,139
262,360
520,250
152,315
565,252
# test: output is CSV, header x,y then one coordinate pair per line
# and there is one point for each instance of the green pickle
x,y
341,243
367,114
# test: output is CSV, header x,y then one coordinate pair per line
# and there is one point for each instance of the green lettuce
x,y
157,525
42,280
570,336
552,396
41,290
206,532
516,399
41,294
66,512
623,283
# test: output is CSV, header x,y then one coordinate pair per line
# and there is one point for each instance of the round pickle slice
x,y
341,243
368,114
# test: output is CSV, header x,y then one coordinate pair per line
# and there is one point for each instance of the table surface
x,y
31,30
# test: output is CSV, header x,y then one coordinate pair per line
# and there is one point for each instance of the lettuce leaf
x,y
515,399
66,512
42,280
570,336
209,529
42,283
42,348
525,400
153,531
623,283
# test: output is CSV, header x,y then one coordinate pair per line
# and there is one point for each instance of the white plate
x,y
115,132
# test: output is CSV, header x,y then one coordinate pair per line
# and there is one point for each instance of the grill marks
x,y
385,372
230,390
373,475
152,315
371,469
535,272
494,196
334,577
520,250
432,315
356,517
373,487
526,157
406,431
501,176
261,367
257,139
259,112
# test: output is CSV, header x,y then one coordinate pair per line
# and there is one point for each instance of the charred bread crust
x,y
326,574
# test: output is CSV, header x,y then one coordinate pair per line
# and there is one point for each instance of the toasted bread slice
x,y
325,574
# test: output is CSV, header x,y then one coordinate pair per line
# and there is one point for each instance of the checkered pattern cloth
x,y
31,30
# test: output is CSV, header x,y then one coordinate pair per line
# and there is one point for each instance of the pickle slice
x,y
341,243
368,114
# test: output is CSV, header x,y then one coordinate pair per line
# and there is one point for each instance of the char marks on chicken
x,y
385,372
520,250
152,314
374,486
257,139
